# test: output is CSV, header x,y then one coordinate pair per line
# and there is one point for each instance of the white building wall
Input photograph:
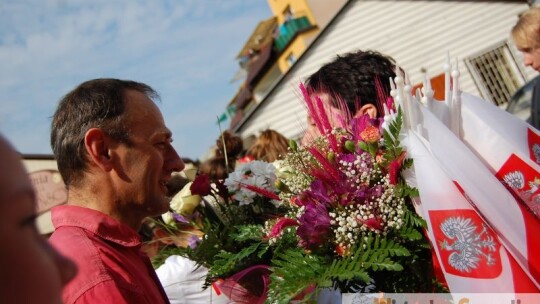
x,y
417,34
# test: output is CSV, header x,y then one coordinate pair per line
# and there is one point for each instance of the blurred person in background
x,y
229,148
526,36
269,146
215,168
31,271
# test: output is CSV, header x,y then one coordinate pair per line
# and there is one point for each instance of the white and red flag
x,y
478,231
508,145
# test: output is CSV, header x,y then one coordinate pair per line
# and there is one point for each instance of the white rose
x,y
167,217
184,202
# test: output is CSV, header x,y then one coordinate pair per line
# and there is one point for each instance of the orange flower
x,y
341,250
370,135
379,158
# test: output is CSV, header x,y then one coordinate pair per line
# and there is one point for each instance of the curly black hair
x,y
355,78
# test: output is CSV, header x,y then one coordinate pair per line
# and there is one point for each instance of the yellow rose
x,y
184,202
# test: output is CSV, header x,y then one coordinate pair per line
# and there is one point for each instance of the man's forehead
x,y
141,107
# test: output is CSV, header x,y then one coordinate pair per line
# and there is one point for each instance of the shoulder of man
x,y
109,292
74,242
103,267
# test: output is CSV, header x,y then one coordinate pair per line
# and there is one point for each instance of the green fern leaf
x,y
293,272
412,219
248,233
226,262
411,234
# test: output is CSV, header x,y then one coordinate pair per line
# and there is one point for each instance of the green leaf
x,y
349,145
411,233
226,262
248,232
410,218
372,149
293,272
362,145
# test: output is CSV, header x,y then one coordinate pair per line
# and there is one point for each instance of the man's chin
x,y
160,206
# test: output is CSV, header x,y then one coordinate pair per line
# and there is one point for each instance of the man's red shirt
x,y
111,266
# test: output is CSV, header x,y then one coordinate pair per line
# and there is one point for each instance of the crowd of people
x,y
116,159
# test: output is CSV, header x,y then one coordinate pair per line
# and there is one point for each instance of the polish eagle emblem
x,y
468,246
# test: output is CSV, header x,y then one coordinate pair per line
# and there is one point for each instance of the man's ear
x,y
97,144
369,109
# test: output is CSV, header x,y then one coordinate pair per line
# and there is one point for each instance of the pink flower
x,y
280,225
395,166
373,223
262,191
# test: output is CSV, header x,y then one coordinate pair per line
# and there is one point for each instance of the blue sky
x,y
185,49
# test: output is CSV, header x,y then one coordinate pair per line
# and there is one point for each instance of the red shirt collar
x,y
96,222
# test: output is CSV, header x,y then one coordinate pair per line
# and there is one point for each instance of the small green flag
x,y
223,117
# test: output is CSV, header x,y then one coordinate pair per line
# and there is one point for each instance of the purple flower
x,y
365,193
347,157
319,193
180,218
375,191
193,241
314,228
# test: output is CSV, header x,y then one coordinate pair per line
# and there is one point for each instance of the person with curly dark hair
x,y
359,79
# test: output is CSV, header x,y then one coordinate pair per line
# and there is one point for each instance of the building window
x,y
291,59
496,74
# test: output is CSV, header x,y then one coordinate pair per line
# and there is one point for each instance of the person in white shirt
x,y
183,282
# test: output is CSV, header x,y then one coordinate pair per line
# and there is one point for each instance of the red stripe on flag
x,y
523,181
522,282
534,145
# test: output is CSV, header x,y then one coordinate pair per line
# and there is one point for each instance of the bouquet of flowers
x,y
350,212
333,214
224,226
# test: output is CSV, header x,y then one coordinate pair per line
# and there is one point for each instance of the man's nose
x,y
175,163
